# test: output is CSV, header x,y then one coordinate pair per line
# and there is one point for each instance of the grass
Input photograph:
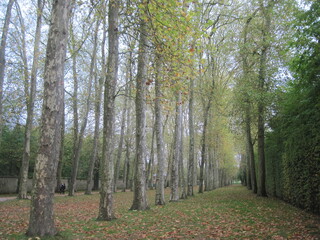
x,y
227,213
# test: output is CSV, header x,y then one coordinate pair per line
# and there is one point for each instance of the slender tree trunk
x,y
247,171
119,152
204,136
140,198
128,143
168,175
3,56
249,144
74,169
151,161
97,109
174,196
80,135
41,222
203,148
30,107
60,164
181,167
106,208
97,113
126,171
160,200
261,104
191,141
250,153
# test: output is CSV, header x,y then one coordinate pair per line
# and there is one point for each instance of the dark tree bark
x,y
252,184
60,163
261,103
41,222
250,151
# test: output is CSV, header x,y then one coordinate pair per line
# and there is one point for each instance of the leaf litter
x,y
227,213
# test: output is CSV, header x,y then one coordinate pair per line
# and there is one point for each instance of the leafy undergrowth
x,y
227,213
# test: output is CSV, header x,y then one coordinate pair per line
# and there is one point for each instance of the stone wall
x,y
10,184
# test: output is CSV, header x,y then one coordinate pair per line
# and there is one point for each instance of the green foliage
x,y
297,123
86,154
11,150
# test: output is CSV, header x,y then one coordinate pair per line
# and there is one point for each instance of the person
x,y
62,188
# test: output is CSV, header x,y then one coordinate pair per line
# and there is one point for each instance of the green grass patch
x,y
226,213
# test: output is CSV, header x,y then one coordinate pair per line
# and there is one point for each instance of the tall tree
x,y
122,129
31,95
262,78
3,54
160,200
97,103
41,221
247,107
79,136
126,171
140,197
174,196
191,140
106,209
206,112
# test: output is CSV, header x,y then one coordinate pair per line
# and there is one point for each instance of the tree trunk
x,y
140,198
30,107
97,111
174,196
41,221
203,159
3,55
261,104
80,135
128,144
126,171
151,161
119,152
247,171
60,163
106,209
250,153
181,166
203,143
160,200
94,157
74,168
191,141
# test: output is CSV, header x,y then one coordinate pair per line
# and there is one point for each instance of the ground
x,y
227,213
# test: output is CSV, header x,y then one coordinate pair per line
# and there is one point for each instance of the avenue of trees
x,y
190,95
